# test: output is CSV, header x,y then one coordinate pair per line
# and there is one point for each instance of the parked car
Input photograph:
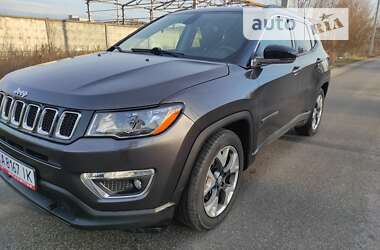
x,y
161,125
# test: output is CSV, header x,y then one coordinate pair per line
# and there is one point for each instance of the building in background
x,y
76,18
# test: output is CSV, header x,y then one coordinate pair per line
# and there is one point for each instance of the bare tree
x,y
360,24
315,3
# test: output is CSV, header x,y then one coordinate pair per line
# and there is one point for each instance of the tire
x,y
196,209
311,127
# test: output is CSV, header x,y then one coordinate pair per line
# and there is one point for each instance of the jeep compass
x,y
162,124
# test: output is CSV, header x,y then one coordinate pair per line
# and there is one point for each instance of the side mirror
x,y
275,54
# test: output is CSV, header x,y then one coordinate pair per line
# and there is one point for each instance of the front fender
x,y
202,134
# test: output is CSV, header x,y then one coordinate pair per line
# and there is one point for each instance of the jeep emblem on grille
x,y
20,93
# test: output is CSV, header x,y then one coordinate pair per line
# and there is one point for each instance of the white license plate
x,y
18,171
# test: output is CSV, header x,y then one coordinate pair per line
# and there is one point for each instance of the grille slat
x,y
29,117
67,124
1,100
17,113
47,120
6,108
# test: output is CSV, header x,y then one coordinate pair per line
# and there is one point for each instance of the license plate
x,y
24,175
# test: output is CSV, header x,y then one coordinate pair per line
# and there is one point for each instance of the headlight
x,y
134,123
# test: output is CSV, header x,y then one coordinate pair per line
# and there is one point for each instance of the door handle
x,y
296,70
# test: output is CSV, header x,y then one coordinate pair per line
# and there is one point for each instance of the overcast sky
x,y
61,8
42,8
51,8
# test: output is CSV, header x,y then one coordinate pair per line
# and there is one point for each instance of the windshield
x,y
210,36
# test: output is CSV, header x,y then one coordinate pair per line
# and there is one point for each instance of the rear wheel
x,y
314,121
214,182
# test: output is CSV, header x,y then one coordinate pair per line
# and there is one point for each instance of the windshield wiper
x,y
158,51
115,47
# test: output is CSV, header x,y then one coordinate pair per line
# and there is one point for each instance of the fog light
x,y
138,184
124,184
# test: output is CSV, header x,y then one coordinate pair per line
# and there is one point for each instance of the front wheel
x,y
214,182
314,121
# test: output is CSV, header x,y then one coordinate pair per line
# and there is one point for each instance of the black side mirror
x,y
275,54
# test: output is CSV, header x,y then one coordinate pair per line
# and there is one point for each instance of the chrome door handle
x,y
296,70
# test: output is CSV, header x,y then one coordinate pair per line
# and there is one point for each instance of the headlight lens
x,y
134,123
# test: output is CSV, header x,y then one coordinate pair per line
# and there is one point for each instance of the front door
x,y
278,97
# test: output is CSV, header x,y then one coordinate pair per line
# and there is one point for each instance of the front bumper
x,y
73,211
61,192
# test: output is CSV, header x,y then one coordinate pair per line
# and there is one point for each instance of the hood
x,y
110,80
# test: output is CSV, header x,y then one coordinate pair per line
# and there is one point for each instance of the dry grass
x,y
11,59
342,61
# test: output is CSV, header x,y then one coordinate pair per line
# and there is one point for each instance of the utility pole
x,y
194,4
117,11
284,3
88,10
372,45
151,11
123,13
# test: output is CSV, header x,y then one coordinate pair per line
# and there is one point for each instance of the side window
x,y
269,38
303,38
313,36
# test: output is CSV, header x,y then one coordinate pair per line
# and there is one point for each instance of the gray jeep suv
x,y
162,124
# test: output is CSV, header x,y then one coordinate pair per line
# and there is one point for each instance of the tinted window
x,y
166,38
303,38
313,36
201,35
286,40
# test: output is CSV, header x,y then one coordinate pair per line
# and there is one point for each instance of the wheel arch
x,y
241,128
325,87
234,122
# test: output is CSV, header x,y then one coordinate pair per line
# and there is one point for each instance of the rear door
x,y
307,61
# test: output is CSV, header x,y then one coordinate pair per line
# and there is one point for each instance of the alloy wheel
x,y
317,113
221,181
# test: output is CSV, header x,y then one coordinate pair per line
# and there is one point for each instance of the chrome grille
x,y
47,121
31,117
6,108
36,119
17,112
1,98
67,124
